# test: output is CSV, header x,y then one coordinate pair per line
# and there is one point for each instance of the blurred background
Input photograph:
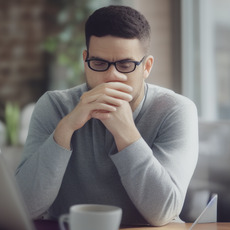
x,y
41,44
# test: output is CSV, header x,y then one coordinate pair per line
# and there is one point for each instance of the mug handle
x,y
62,220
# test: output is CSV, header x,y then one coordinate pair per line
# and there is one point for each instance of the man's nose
x,y
113,75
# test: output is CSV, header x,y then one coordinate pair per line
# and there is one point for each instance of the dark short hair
x,y
118,21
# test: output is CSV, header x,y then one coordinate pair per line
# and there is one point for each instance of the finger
x,y
107,95
101,115
109,100
119,86
118,94
102,107
88,97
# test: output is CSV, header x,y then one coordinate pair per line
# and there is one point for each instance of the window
x,y
206,56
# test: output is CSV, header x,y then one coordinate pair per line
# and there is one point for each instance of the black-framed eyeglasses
x,y
122,66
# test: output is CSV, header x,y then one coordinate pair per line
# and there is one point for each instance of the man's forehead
x,y
110,47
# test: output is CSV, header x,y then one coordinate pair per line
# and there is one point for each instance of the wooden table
x,y
53,225
182,226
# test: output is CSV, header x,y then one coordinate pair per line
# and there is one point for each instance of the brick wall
x,y
23,64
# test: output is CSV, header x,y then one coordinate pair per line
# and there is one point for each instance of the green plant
x,y
12,116
67,44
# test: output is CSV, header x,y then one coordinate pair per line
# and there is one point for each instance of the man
x,y
114,140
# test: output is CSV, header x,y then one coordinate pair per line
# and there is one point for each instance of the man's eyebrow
x,y
95,57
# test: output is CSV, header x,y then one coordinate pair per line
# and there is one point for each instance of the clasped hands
x,y
108,102
102,102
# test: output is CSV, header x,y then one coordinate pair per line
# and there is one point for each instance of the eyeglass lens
x,y
122,66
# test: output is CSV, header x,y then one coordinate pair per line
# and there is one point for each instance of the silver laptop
x,y
13,213
208,215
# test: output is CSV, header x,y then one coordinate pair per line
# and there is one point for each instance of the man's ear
x,y
148,66
84,54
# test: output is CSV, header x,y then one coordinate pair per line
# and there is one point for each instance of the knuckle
x,y
120,102
100,97
105,89
83,97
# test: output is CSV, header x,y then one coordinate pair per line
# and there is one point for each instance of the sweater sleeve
x,y
156,174
44,162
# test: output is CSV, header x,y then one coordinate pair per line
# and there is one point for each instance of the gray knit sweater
x,y
148,179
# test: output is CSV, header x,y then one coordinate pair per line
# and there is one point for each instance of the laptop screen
x,y
13,213
208,215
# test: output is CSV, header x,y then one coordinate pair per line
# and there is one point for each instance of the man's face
x,y
113,49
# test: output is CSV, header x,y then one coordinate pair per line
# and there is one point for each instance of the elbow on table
x,y
159,221
161,217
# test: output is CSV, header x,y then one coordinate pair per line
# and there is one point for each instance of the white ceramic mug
x,y
92,217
